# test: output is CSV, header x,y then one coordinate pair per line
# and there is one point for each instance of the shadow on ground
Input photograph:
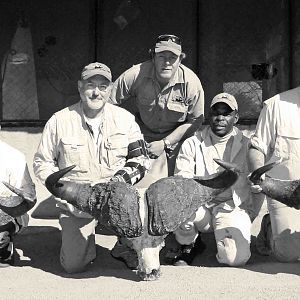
x,y
39,248
256,263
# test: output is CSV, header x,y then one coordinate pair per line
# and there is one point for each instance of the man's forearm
x,y
256,159
183,131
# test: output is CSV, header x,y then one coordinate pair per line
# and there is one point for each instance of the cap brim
x,y
166,48
92,73
233,107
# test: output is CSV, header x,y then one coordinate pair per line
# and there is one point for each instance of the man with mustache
x,y
228,214
104,142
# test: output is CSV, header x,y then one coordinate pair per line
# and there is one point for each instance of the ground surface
x,y
38,275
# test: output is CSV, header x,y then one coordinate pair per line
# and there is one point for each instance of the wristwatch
x,y
168,145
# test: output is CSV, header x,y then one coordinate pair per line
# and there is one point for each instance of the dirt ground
x,y
37,273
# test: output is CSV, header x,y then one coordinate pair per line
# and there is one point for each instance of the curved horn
x,y
73,192
172,200
284,191
222,179
255,177
52,183
17,206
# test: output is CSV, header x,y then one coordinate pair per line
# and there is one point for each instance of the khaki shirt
x,y
277,133
67,140
160,110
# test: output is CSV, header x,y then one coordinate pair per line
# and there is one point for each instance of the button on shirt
x,y
67,141
161,110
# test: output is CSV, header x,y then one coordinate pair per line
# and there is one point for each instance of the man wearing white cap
x,y
228,214
169,102
104,142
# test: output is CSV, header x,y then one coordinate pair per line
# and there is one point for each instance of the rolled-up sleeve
x,y
45,159
265,134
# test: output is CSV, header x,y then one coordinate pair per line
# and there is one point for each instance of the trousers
x,y
78,248
285,235
232,230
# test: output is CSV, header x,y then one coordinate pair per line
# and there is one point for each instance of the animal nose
x,y
153,275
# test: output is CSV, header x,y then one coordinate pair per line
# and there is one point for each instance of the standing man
x,y
277,136
227,215
169,100
14,171
104,142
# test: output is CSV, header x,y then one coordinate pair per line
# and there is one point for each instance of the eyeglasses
x,y
92,86
167,37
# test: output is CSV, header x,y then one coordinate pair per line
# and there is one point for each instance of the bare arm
x,y
179,134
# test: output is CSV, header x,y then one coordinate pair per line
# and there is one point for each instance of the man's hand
x,y
254,188
64,205
155,149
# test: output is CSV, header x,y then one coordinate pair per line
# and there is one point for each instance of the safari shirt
x,y
160,110
67,140
277,133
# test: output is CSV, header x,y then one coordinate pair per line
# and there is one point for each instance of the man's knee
x,y
72,267
232,253
286,249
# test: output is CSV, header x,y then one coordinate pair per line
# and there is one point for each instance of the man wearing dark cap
x,y
228,214
104,142
169,102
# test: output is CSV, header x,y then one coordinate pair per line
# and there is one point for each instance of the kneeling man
x,y
228,215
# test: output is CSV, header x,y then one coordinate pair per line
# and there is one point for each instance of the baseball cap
x,y
96,69
168,42
225,98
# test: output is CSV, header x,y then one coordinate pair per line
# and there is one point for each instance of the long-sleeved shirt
x,y
196,156
277,133
160,111
68,140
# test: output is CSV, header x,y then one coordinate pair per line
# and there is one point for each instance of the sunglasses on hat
x,y
166,37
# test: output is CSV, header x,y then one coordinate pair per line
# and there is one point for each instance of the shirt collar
x,y
85,120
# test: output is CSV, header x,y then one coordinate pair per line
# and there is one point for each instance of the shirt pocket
x,y
178,110
75,152
117,149
146,104
288,139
